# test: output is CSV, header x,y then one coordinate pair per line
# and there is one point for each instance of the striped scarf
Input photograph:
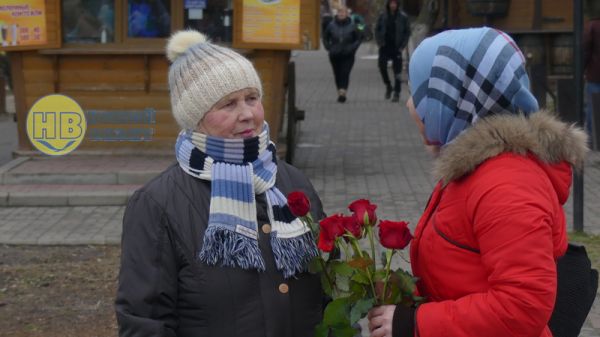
x,y
238,169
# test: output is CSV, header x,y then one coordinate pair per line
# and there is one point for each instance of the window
x,y
213,18
88,21
148,18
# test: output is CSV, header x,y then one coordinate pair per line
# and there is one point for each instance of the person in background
x,y
391,33
591,50
359,21
148,18
210,246
486,247
341,39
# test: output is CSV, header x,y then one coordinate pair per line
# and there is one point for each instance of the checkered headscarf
x,y
459,76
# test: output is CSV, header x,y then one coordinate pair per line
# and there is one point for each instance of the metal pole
x,y
578,68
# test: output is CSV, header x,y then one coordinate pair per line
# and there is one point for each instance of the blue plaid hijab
x,y
238,169
459,76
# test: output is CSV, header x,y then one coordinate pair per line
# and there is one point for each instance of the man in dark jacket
x,y
391,32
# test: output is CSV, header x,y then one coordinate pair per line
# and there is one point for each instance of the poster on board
x,y
271,21
22,23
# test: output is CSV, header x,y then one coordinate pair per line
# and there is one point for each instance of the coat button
x,y
284,288
266,228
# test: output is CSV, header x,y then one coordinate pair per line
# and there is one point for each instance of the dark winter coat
x,y
591,49
485,249
341,38
165,291
402,32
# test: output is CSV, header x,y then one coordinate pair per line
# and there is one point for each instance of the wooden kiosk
x,y
543,29
108,55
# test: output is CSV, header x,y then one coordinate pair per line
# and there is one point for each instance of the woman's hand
x,y
380,320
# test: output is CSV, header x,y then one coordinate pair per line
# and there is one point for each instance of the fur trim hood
x,y
542,134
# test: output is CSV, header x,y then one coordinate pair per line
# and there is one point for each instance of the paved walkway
x,y
365,148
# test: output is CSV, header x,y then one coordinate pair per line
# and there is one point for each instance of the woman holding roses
x,y
210,247
485,249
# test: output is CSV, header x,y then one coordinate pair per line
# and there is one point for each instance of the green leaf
x,y
361,277
418,299
315,265
322,330
396,295
346,331
342,269
326,286
360,309
342,282
336,313
358,290
379,275
361,263
405,281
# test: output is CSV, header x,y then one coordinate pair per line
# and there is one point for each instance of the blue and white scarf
x,y
238,169
460,76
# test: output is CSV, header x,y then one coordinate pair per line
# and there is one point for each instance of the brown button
x,y
284,288
266,228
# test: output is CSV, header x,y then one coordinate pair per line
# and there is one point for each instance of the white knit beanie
x,y
201,74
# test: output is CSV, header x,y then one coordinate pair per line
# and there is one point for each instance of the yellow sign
x,y
271,21
56,125
22,23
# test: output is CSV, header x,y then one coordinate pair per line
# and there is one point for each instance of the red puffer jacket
x,y
485,249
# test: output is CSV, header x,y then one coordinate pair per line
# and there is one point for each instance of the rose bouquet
x,y
349,274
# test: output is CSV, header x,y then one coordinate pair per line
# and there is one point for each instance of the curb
x,y
65,198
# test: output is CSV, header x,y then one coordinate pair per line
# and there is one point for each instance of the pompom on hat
x,y
201,74
459,76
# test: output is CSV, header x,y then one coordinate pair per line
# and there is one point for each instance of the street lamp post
x,y
578,69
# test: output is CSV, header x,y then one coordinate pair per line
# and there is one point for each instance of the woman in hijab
x,y
485,249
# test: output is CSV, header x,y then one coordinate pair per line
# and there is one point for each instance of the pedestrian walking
x,y
341,39
210,247
391,33
486,247
591,49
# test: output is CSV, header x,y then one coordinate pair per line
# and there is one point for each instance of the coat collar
x,y
541,134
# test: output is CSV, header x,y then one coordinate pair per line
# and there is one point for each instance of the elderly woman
x,y
485,249
210,247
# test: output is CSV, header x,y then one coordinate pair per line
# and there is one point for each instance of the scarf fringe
x,y
223,247
292,255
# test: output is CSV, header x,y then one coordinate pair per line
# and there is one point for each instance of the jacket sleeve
x,y
147,289
513,214
356,39
327,36
380,31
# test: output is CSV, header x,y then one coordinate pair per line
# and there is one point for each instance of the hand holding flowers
x,y
349,274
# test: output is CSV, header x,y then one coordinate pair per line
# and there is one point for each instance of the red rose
x,y
364,212
394,234
325,243
298,203
350,225
331,228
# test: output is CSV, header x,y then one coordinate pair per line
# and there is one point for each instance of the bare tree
x,y
421,26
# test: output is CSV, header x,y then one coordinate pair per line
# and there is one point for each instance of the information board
x,y
271,21
22,23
